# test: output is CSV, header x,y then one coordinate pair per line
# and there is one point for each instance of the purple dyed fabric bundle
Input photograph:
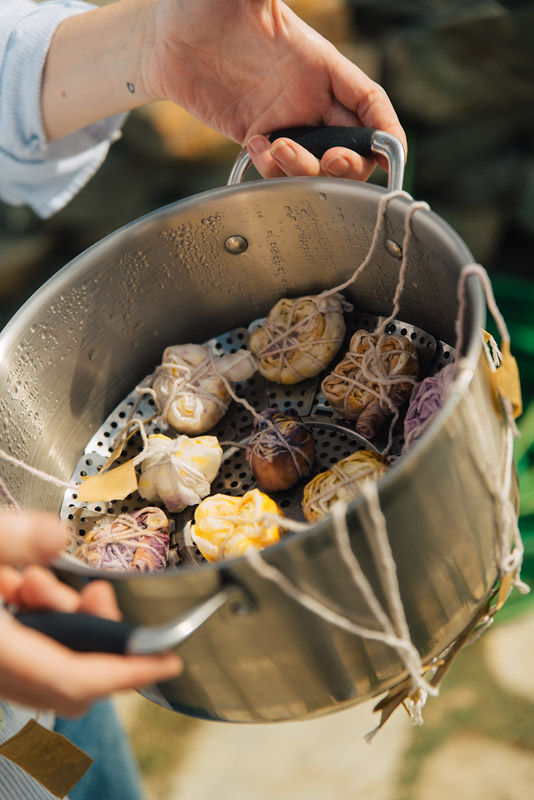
x,y
426,400
138,541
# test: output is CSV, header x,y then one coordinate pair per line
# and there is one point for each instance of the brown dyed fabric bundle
x,y
281,449
299,338
343,481
375,377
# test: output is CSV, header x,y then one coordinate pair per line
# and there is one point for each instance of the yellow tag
x,y
506,585
505,379
116,484
50,758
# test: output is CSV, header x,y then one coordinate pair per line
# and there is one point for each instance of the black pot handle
x,y
318,140
86,633
81,632
365,141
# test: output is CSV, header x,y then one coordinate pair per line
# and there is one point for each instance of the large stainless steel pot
x,y
179,275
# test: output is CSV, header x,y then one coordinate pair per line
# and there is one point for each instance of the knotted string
x,y
189,381
121,545
287,334
319,500
499,486
261,444
392,629
372,367
287,337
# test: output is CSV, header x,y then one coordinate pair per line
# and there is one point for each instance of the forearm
x,y
94,66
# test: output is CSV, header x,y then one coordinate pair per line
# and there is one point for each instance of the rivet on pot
x,y
393,248
236,244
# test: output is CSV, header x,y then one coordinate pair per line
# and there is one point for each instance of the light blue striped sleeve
x,y
34,172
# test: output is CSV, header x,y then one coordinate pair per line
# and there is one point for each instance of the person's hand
x,y
244,67
37,671
250,67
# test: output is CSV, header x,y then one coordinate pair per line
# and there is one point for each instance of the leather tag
x,y
507,378
50,758
504,376
116,484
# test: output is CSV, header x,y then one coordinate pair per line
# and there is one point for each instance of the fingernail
x,y
172,663
337,166
283,154
256,144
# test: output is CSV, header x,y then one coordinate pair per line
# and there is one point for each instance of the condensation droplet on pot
x,y
393,248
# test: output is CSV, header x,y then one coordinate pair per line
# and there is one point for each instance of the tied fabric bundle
x,y
342,482
299,338
426,400
190,386
373,380
226,527
281,449
137,541
179,471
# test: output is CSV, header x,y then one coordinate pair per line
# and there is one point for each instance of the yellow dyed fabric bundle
x,y
225,527
299,338
342,481
179,471
375,377
189,391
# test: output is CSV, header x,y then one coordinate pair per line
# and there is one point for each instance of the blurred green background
x,y
461,76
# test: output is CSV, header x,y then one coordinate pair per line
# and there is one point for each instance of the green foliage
x,y
515,298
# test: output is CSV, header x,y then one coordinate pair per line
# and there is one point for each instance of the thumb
x,y
29,536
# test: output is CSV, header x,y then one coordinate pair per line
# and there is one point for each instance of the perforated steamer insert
x,y
334,437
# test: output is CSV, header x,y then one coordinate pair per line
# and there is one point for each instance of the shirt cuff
x,y
32,171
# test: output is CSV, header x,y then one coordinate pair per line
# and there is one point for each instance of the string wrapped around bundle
x,y
190,386
375,377
179,471
342,482
134,542
300,337
426,400
227,527
281,449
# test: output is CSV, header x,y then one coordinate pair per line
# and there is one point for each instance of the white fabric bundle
x,y
189,385
179,471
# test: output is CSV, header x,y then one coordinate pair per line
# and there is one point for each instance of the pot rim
x,y
53,286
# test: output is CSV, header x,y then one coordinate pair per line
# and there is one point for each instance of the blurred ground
x,y
461,76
